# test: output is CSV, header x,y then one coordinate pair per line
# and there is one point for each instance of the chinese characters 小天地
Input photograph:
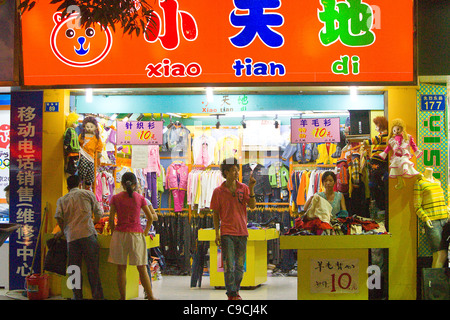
x,y
170,25
257,22
349,21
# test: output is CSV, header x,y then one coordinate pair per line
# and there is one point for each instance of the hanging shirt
x,y
154,162
226,147
203,150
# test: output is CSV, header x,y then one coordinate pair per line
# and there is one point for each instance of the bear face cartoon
x,y
76,46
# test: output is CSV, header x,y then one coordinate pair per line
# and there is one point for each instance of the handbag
x,y
56,259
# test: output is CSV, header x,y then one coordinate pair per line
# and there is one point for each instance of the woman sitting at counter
x,y
335,198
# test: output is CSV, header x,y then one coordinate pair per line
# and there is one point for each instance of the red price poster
x,y
139,132
315,130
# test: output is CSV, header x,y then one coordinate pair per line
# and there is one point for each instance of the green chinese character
x,y
243,100
349,21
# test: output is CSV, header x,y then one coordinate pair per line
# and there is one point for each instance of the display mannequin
x,y
431,208
91,148
71,144
378,167
400,142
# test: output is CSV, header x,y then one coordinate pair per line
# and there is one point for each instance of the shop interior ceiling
x,y
219,91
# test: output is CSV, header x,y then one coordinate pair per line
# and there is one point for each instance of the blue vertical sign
x,y
25,185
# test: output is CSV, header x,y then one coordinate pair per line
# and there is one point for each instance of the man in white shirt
x,y
73,214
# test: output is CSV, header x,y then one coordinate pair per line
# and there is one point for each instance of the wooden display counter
x,y
108,273
256,262
334,267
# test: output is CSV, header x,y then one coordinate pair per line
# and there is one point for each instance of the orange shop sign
x,y
228,42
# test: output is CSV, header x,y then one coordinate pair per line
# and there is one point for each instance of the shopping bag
x,y
56,259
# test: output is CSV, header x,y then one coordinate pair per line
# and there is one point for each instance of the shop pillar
x,y
54,181
401,103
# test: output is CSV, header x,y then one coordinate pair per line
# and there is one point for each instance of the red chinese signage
x,y
139,132
315,130
235,41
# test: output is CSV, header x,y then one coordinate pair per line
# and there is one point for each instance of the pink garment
x,y
128,211
400,148
176,180
232,209
400,163
177,176
154,162
202,157
203,150
98,188
178,199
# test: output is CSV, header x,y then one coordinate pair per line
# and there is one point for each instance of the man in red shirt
x,y
229,203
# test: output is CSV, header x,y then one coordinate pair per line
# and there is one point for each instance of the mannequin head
x,y
381,124
398,128
428,173
72,120
90,126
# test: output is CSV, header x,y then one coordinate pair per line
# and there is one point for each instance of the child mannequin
x,y
71,144
91,148
430,206
400,142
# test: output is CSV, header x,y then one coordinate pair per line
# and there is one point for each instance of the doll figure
x,y
71,144
90,152
400,142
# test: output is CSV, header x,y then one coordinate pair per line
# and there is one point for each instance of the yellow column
x,y
53,178
402,218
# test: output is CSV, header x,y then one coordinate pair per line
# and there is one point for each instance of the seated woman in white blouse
x,y
335,198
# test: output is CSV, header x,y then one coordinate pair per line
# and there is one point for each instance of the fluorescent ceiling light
x,y
88,93
209,95
280,113
177,115
353,92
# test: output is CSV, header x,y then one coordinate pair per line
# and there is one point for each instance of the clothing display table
x,y
335,267
256,261
108,273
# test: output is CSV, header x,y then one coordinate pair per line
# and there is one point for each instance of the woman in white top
x,y
335,198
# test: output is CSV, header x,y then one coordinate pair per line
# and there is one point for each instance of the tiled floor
x,y
178,288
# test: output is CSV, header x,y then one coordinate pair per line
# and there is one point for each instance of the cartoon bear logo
x,y
76,46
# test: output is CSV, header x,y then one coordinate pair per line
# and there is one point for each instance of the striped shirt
x,y
429,201
379,143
